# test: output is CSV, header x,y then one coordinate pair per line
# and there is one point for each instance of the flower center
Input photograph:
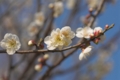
x,y
11,43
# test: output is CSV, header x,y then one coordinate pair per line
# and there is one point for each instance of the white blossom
x,y
11,43
57,8
93,3
39,18
59,38
70,4
85,32
33,29
85,53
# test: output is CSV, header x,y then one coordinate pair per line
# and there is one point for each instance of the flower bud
x,y
106,26
31,42
96,33
38,67
90,10
46,56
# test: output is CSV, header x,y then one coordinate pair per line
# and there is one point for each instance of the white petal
x,y
47,40
79,35
18,45
3,44
15,37
72,34
98,29
82,56
66,28
8,36
90,31
51,47
87,50
10,51
79,30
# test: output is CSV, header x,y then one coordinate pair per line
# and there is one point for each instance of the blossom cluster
x,y
62,38
58,39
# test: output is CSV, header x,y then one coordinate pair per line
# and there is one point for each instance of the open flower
x,y
33,29
59,38
85,52
85,32
39,18
57,8
11,43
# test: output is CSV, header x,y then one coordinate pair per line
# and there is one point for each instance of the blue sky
x,y
109,16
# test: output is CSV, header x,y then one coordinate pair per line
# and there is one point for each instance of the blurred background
x,y
35,19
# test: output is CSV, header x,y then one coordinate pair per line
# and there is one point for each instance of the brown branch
x,y
63,58
96,13
54,66
44,51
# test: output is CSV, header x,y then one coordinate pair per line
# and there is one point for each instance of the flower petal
x,y
82,56
87,50
10,51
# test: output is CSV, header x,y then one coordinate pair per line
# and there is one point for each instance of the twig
x,y
54,66
44,51
96,13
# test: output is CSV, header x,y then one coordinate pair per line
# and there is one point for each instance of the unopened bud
x,y
106,26
90,10
38,67
31,42
96,33
46,56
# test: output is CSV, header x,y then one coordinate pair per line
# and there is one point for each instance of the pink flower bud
x,y
106,26
90,10
96,33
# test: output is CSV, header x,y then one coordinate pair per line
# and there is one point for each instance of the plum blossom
x,y
57,8
70,4
33,29
85,32
39,18
85,52
59,38
11,43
